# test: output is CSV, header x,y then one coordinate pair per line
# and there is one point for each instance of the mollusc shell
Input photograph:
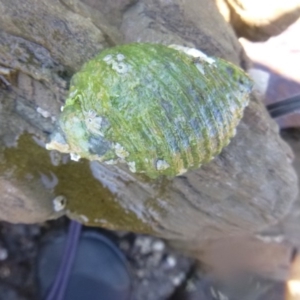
x,y
160,110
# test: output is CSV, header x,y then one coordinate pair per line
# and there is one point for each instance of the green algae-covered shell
x,y
160,110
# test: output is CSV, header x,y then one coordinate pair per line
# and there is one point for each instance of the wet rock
x,y
55,27
183,23
26,194
113,10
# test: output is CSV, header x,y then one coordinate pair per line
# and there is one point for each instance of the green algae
x,y
88,200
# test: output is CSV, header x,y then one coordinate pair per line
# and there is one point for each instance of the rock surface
x,y
250,186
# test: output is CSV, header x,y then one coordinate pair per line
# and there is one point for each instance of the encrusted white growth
x,y
110,162
58,143
108,58
162,165
5,71
43,112
84,218
120,67
131,166
117,63
180,119
120,151
93,122
200,68
194,53
75,156
73,93
120,57
182,171
59,203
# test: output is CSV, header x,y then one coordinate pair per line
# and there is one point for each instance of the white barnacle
x,y
108,59
120,67
75,157
90,114
120,57
59,203
120,151
93,122
162,165
131,166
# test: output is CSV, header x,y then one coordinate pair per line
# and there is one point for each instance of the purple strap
x,y
58,288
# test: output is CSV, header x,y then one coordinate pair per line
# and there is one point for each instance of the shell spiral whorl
x,y
160,110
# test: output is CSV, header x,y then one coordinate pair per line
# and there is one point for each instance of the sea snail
x,y
160,110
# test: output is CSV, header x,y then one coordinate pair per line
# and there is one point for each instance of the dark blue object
x,y
83,265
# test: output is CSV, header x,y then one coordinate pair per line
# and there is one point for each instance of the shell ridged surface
x,y
161,110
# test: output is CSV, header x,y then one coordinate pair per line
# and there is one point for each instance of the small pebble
x,y
158,246
144,244
3,254
171,261
178,279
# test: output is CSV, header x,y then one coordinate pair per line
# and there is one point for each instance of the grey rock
x,y
55,27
